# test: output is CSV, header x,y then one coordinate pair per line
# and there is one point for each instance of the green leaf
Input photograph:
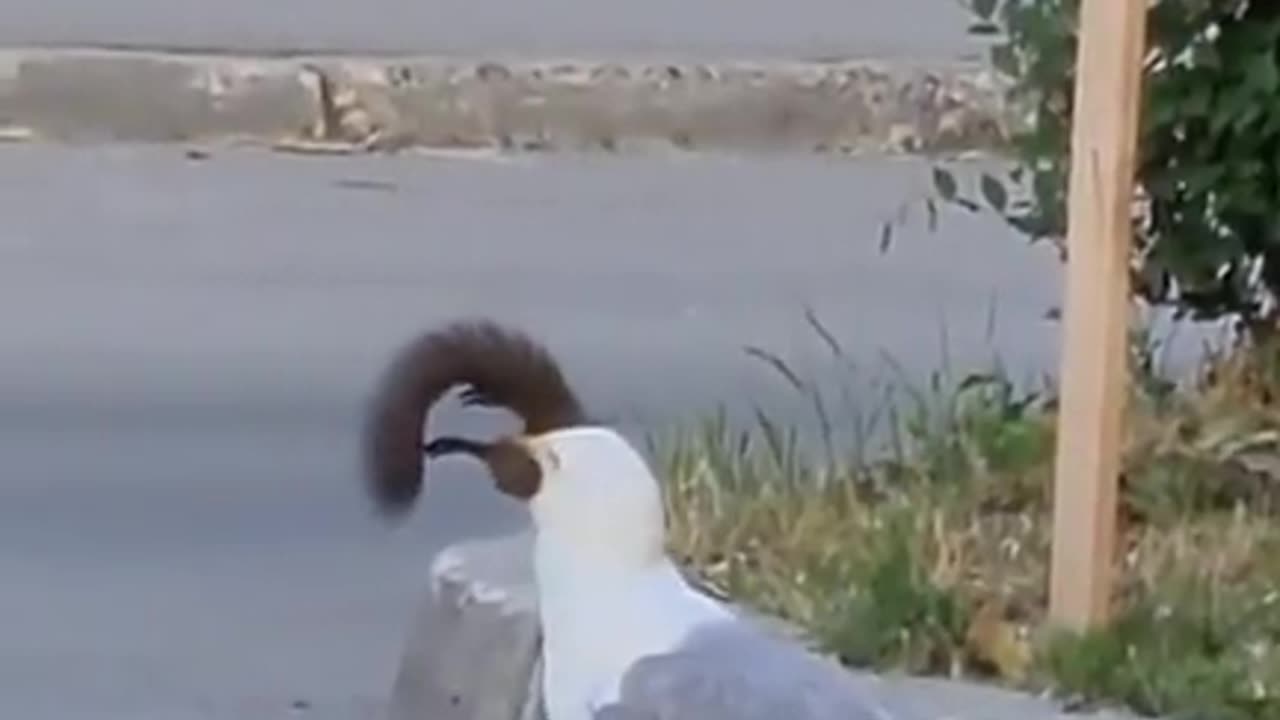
x,y
984,8
1209,142
994,192
1208,57
945,184
1203,178
1263,75
1197,103
1004,59
1030,224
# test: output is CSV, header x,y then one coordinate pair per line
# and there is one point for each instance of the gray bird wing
x,y
735,671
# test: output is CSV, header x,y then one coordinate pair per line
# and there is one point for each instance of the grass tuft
x,y
927,551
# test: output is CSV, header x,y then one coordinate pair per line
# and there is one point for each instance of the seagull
x,y
625,634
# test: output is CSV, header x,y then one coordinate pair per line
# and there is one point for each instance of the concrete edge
x,y
346,104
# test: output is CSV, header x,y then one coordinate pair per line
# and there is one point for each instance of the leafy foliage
x,y
1207,229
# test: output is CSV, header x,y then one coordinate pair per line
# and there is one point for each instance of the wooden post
x,y
1094,372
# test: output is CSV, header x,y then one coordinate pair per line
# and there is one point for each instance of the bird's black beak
x,y
515,472
451,445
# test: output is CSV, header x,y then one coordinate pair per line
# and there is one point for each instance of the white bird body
x,y
608,593
591,639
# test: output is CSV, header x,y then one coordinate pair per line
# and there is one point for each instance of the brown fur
x,y
497,366
515,471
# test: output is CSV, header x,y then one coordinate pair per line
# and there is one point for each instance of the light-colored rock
x,y
472,652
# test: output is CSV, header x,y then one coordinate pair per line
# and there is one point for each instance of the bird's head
x,y
584,483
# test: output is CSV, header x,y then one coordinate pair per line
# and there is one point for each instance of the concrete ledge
x,y
472,654
338,103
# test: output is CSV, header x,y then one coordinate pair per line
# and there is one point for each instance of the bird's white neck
x,y
598,617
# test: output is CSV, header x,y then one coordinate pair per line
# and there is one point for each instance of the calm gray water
x,y
184,346
807,28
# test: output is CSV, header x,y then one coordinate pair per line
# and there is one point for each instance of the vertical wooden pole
x,y
1094,371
